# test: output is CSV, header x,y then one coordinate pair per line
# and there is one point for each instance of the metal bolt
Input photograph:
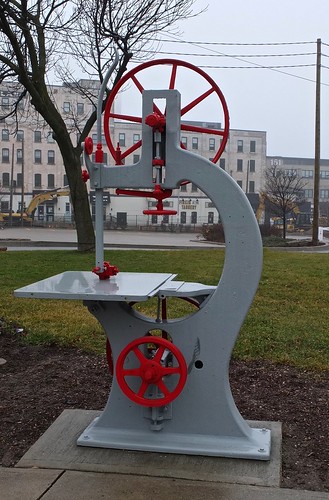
x,y
85,437
261,450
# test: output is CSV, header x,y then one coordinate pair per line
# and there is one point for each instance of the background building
x,y
31,163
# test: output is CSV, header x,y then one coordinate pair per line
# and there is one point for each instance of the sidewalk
x,y
37,484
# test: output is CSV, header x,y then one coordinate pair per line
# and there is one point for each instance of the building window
x,y
210,217
51,157
50,138
66,107
5,134
183,188
37,136
5,102
308,193
194,188
65,181
239,165
37,156
240,146
136,138
67,207
324,193
20,136
324,174
239,183
194,217
5,179
291,172
51,181
154,219
183,217
122,139
211,144
184,142
4,206
37,180
252,166
19,156
5,155
251,186
19,180
222,163
252,146
80,108
195,143
136,158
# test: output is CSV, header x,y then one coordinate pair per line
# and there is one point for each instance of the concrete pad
x,y
87,485
57,449
27,484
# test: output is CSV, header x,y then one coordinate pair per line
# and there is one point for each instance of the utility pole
x,y
22,193
315,233
11,186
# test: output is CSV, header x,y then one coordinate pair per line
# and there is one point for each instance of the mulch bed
x,y
38,383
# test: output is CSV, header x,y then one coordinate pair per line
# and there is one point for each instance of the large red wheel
x,y
151,371
133,78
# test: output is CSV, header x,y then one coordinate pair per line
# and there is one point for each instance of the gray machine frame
x,y
203,419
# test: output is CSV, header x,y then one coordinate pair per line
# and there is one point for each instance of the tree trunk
x,y
80,203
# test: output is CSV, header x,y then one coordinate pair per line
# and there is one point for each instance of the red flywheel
x,y
152,371
133,78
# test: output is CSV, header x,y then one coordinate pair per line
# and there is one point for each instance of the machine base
x,y
258,447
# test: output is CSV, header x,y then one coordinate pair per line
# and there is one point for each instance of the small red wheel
x,y
133,78
151,371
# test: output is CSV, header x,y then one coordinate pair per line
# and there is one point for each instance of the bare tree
x,y
284,191
42,36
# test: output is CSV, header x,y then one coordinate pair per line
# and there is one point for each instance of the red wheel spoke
x,y
163,388
131,149
141,88
197,101
170,370
192,128
142,389
173,77
158,354
132,372
137,83
129,118
139,355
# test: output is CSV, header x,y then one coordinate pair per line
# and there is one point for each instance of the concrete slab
x,y
87,485
27,484
57,449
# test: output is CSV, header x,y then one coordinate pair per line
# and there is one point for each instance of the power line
x,y
236,44
232,55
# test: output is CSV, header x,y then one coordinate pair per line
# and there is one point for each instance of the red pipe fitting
x,y
156,121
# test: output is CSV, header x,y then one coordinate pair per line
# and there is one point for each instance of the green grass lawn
x,y
287,323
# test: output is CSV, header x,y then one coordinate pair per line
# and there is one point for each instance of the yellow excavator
x,y
36,200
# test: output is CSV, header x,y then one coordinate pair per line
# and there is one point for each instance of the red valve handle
x,y
107,272
151,372
88,145
158,193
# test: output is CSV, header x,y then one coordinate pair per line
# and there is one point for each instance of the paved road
x,y
27,237
45,238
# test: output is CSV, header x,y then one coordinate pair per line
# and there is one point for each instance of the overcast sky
x,y
264,99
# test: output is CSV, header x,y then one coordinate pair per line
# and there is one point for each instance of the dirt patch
x,y
38,383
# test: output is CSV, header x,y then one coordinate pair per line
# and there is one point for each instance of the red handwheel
x,y
133,78
152,371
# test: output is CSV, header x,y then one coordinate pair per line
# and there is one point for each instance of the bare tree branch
x,y
284,190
